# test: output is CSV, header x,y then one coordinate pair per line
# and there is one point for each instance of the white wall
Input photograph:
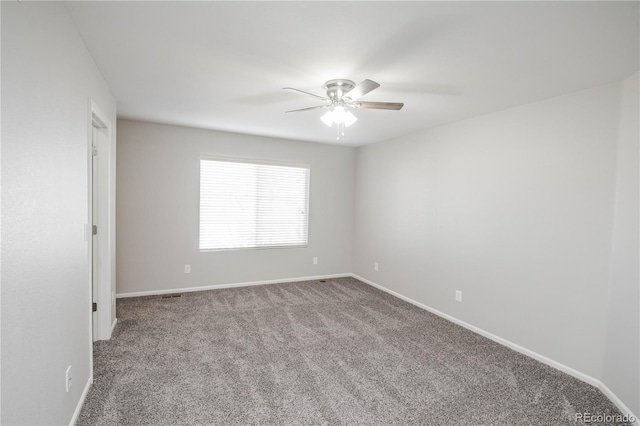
x,y
158,202
515,209
48,80
622,348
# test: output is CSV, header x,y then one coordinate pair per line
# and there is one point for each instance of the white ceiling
x,y
222,65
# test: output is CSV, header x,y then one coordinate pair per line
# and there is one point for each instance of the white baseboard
x,y
85,392
231,285
113,326
543,359
614,398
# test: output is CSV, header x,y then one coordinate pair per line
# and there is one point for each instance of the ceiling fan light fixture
x,y
339,115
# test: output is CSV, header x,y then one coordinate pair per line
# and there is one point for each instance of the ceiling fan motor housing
x,y
336,89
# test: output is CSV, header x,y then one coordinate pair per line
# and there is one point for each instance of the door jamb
x,y
105,285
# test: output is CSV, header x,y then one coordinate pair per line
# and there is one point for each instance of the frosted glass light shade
x,y
349,119
327,118
339,114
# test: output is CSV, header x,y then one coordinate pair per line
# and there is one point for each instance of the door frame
x,y
105,315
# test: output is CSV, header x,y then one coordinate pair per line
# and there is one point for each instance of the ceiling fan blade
x,y
378,105
306,93
362,89
307,109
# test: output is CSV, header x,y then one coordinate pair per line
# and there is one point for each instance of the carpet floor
x,y
335,352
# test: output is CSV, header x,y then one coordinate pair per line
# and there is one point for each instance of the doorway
x,y
102,223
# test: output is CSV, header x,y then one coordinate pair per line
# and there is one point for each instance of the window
x,y
252,204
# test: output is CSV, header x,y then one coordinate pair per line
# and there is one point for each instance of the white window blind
x,y
252,204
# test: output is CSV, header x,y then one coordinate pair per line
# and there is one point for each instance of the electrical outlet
x,y
458,296
187,269
315,260
375,266
67,379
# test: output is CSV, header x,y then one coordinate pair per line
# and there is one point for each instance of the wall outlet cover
x,y
67,379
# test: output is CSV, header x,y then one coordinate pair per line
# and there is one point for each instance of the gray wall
x,y
622,348
48,79
516,210
158,202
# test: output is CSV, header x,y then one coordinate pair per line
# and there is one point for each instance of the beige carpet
x,y
337,352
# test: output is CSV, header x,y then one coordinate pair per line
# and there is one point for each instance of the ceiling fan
x,y
343,95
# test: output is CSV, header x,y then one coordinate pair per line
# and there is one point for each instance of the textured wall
x,y
622,349
158,209
48,80
514,208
